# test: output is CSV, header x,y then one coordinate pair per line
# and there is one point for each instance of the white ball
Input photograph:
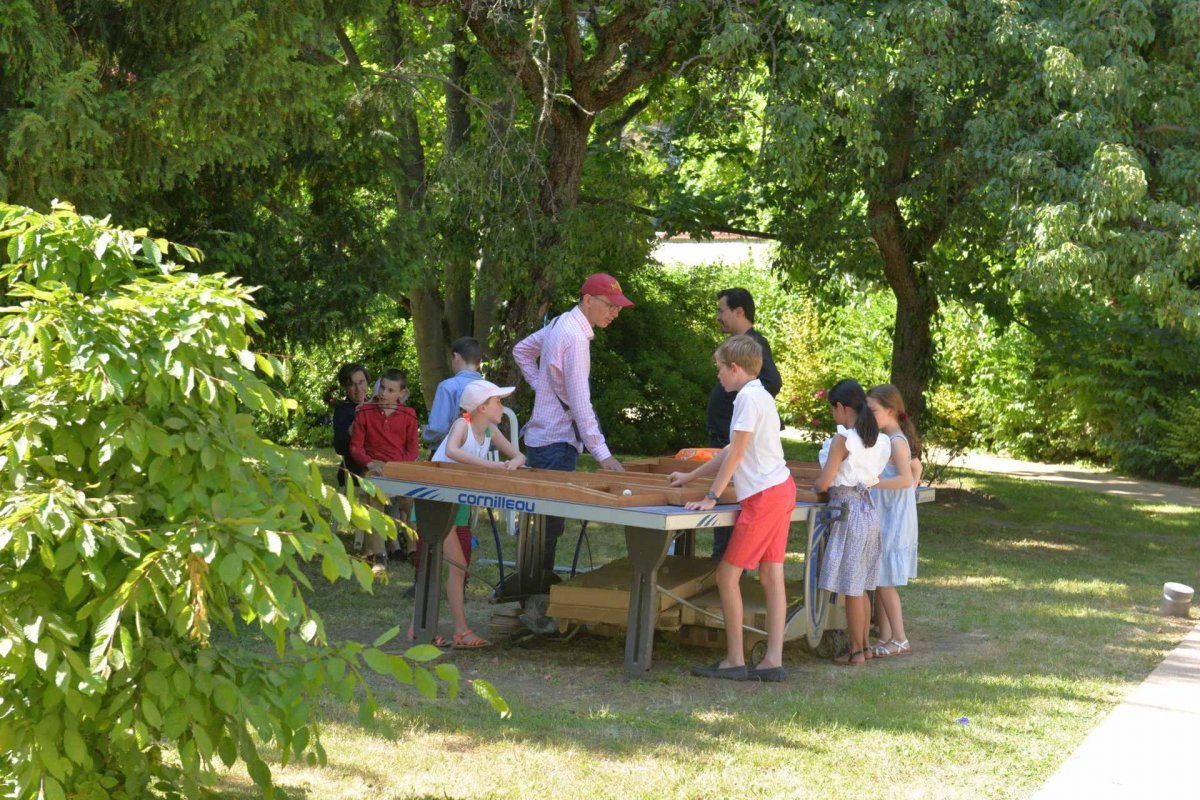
x,y
627,492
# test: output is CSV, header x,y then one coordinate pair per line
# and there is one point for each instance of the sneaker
x,y
535,618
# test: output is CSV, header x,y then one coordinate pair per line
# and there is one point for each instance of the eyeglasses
x,y
613,307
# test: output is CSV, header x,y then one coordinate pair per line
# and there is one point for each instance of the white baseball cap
x,y
476,393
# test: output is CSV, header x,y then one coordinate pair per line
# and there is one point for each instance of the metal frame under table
x,y
649,531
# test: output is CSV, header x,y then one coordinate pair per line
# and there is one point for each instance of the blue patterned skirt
x,y
850,563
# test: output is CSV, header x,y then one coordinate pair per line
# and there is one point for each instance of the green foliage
x,y
1107,184
1181,437
139,509
820,345
651,369
1108,385
994,391
383,340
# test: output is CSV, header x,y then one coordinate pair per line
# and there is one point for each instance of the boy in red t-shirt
x,y
384,430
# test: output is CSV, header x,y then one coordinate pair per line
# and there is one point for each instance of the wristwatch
x,y
709,495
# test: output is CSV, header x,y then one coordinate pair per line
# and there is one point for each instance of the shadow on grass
x,y
1030,616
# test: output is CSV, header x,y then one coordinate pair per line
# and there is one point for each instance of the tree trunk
x,y
560,192
458,272
424,303
916,304
913,352
426,310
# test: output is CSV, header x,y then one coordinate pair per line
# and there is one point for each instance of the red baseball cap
x,y
601,284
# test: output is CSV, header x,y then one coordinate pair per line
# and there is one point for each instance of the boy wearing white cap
x,y
468,442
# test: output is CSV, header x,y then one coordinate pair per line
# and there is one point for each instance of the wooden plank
x,y
803,472
546,484
592,488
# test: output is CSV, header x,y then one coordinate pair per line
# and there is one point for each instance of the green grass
x,y
1034,612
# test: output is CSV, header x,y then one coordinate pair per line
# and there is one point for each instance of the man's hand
x,y
375,468
680,478
611,464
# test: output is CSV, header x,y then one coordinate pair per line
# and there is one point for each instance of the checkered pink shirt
x,y
557,361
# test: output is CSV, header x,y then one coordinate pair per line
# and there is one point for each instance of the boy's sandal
x,y
438,639
462,642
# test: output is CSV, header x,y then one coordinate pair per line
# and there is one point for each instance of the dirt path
x,y
1096,480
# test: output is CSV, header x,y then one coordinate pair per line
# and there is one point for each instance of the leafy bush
x,y
1002,400
1128,377
652,368
818,347
806,372
1070,383
138,507
1181,440
382,341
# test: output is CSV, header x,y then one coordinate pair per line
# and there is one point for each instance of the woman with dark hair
x,y
355,383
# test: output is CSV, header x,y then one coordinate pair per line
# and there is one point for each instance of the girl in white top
x,y
850,563
468,442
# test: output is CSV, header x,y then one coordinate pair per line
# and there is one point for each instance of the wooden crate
x,y
754,604
602,595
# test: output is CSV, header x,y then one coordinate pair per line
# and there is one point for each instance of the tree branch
x,y
616,127
610,39
347,47
570,29
634,75
512,54
648,212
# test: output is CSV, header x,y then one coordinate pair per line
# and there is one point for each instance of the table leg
x,y
647,549
434,521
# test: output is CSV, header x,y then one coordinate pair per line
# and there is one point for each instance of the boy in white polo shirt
x,y
753,460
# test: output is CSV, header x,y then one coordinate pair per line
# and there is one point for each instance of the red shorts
x,y
761,531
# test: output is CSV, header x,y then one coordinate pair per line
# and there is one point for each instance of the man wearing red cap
x,y
556,361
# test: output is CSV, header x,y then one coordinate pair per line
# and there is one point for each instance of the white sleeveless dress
x,y
478,449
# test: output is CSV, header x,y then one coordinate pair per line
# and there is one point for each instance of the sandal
x,y
846,658
880,649
438,639
902,648
461,641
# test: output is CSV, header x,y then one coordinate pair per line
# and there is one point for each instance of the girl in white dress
x,y
850,563
895,499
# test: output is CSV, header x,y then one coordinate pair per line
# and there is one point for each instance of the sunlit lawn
x,y
1034,612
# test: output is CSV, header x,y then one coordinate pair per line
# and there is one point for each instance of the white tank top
x,y
477,449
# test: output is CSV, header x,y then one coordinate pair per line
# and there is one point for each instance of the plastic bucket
x,y
1176,600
